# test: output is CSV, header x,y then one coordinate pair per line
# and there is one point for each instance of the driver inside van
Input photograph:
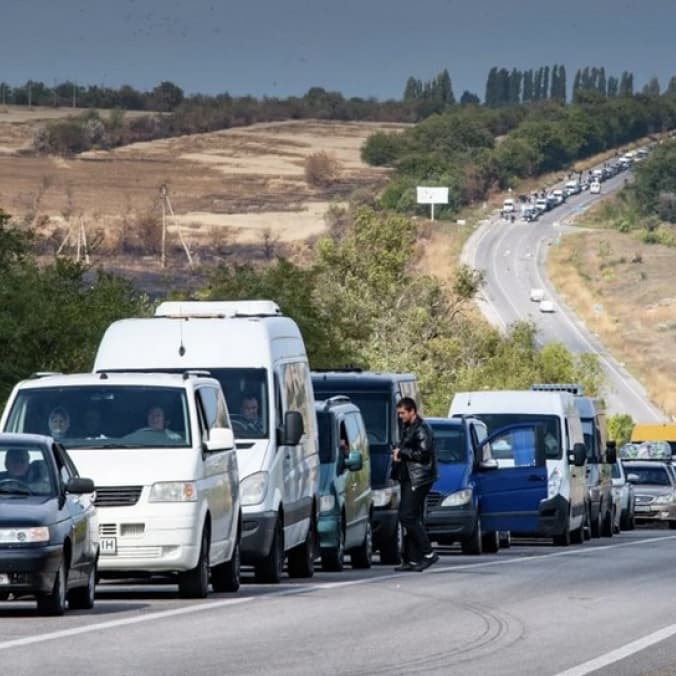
x,y
157,423
249,413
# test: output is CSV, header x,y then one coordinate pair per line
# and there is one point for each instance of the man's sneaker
x,y
427,561
405,567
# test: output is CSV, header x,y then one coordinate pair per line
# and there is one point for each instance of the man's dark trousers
x,y
411,513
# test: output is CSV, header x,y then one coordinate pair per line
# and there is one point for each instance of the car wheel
x,y
333,558
83,598
563,540
301,559
390,552
362,556
490,543
597,525
269,569
577,535
194,583
473,545
225,577
54,603
607,528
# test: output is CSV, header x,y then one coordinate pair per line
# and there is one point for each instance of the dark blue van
x,y
376,395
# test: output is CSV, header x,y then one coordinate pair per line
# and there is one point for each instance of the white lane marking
x,y
620,653
215,605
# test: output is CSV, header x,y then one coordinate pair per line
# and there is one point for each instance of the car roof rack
x,y
337,400
573,388
44,374
196,373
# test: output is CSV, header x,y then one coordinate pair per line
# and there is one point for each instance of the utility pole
x,y
167,208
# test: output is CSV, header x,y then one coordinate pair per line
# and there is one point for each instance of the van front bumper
x,y
31,570
553,516
451,522
258,530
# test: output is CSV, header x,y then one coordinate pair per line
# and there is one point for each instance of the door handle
x,y
535,477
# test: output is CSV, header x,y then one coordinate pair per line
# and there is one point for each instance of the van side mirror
x,y
220,439
632,478
354,461
80,486
488,465
292,430
578,455
611,453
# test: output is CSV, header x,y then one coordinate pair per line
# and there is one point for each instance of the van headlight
x,y
327,503
19,536
554,483
173,491
252,489
457,499
381,497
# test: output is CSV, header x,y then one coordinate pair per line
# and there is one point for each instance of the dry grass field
x,y
625,292
240,186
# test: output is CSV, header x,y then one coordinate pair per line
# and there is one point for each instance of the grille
x,y
132,529
107,530
139,553
117,496
433,500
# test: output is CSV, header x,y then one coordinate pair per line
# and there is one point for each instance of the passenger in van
x,y
157,423
92,424
251,421
58,423
417,471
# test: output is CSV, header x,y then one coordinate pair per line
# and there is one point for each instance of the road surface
x,y
513,256
532,609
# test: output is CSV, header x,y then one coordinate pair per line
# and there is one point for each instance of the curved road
x,y
513,256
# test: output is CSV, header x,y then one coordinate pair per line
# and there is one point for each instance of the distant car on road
x,y
623,493
546,306
655,490
537,295
48,531
595,188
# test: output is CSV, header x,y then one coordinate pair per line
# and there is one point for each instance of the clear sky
x,y
359,47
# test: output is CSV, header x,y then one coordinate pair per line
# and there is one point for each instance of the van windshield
x,y
246,393
552,431
103,416
375,410
589,438
326,442
450,444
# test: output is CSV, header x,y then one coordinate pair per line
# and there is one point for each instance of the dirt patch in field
x,y
625,292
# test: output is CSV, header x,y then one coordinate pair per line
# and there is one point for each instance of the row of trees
x,y
504,87
593,79
458,149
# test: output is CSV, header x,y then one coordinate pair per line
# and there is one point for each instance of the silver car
x,y
655,490
623,499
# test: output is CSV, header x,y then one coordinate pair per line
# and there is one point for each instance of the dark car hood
x,y
452,477
28,511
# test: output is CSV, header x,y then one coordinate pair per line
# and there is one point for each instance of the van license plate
x,y
4,579
642,508
108,546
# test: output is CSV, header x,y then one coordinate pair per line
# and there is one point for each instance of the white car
x,y
537,295
595,188
623,497
546,306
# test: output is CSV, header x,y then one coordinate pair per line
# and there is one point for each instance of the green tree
x,y
652,87
527,95
469,99
620,427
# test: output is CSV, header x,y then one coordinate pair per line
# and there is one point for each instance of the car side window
x,y
209,401
201,417
62,462
354,436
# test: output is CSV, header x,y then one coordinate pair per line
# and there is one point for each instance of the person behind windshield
x,y
92,424
157,423
58,422
17,465
249,412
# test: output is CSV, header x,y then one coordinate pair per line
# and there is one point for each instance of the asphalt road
x,y
513,256
532,609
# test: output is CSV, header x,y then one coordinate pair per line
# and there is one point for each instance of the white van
x,y
509,206
160,450
259,358
562,508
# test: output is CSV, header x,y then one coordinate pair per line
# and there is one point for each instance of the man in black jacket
x,y
416,468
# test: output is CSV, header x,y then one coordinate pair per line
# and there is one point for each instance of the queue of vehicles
x,y
209,444
531,207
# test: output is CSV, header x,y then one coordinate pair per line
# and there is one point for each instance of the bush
x,y
321,170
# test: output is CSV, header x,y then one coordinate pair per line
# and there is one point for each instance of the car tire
x,y
269,569
607,529
577,535
333,558
362,556
226,576
83,598
490,542
54,603
473,545
301,559
390,552
194,583
624,520
597,525
563,540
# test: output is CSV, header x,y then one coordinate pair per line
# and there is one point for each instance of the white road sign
x,y
432,195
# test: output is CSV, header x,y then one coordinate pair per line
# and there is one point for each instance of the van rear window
x,y
552,431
